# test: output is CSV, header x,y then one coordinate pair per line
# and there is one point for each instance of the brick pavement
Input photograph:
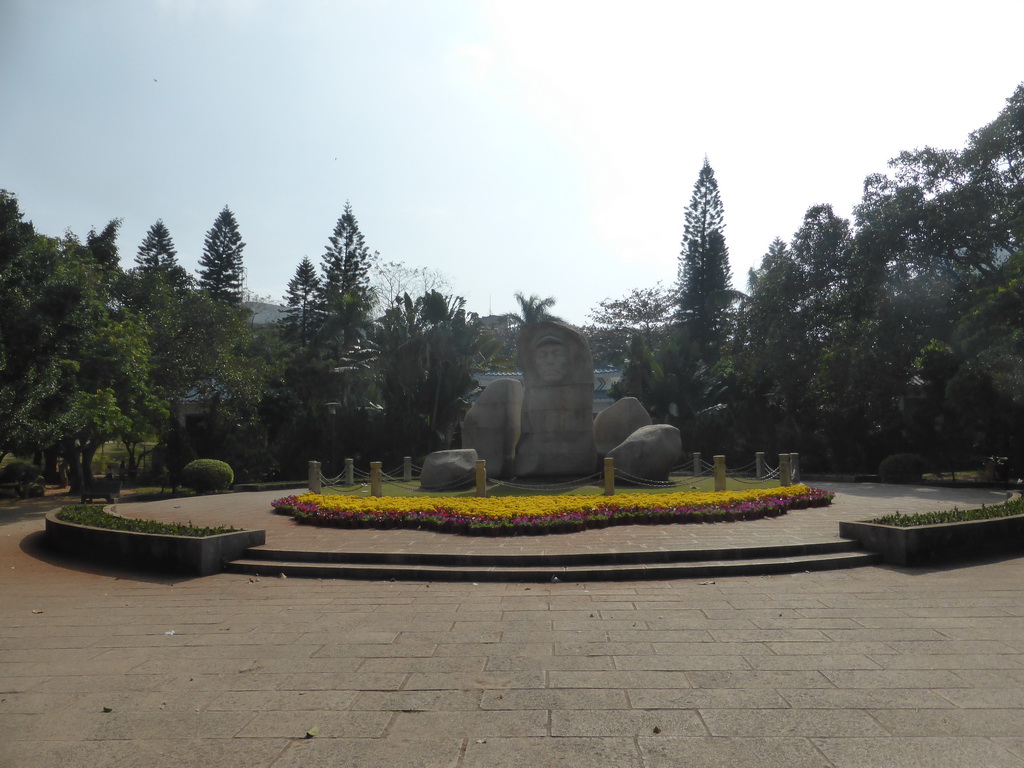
x,y
868,667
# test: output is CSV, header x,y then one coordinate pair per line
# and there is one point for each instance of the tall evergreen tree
x,y
303,315
221,272
346,261
157,249
345,296
705,281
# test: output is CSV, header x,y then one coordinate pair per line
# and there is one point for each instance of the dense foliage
x,y
900,331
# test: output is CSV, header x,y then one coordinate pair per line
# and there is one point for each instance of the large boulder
x,y
557,437
492,425
445,470
647,454
617,422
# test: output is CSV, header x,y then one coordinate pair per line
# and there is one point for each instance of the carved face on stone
x,y
555,355
552,360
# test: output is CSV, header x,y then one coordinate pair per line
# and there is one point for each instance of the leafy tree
x,y
429,348
102,246
203,358
392,279
303,316
705,281
643,312
42,321
221,272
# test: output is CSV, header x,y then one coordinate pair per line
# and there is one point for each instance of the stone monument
x,y
557,425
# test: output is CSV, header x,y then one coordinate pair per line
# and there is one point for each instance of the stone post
x,y
350,472
697,471
481,478
314,477
609,477
759,461
375,480
785,473
407,469
719,473
794,467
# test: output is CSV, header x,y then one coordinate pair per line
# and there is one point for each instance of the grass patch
x,y
955,515
539,488
94,516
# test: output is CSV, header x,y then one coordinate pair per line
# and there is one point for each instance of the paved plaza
x,y
874,666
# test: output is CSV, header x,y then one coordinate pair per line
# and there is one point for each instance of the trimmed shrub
x,y
208,475
902,468
19,471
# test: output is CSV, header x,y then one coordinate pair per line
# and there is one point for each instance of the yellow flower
x,y
528,506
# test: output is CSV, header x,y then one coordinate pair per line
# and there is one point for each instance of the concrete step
x,y
575,571
507,559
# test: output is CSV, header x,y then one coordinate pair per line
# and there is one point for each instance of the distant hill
x,y
264,313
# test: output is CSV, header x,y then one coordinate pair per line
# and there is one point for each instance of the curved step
x,y
400,568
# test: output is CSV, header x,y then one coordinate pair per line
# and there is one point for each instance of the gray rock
x,y
445,470
617,422
557,436
648,454
492,426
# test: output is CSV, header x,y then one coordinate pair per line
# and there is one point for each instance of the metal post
x,y
609,477
719,473
481,478
314,477
759,461
785,474
375,481
697,469
350,472
407,469
794,466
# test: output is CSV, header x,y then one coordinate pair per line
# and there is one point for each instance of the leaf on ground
x,y
313,732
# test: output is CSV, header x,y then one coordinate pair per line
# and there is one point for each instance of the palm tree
x,y
533,309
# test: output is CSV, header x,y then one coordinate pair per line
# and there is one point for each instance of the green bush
x,y
902,468
19,471
208,475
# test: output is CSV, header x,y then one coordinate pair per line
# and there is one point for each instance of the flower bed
x,y
535,515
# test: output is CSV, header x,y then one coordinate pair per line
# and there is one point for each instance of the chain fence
x,y
683,476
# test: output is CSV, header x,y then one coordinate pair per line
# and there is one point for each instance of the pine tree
x,y
345,296
157,249
705,281
221,271
303,316
346,262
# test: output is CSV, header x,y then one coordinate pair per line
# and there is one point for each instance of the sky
x,y
548,147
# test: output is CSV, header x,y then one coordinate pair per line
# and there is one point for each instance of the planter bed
x,y
939,543
188,555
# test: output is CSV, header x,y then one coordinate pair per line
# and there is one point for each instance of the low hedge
x,y
955,515
94,516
